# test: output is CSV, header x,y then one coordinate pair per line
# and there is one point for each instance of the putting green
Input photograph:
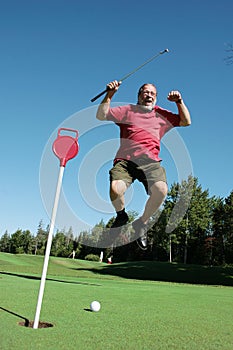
x,y
135,314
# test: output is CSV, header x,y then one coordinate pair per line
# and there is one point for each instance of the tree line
x,y
204,234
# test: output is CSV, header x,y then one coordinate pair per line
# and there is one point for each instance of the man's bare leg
x,y
117,195
158,192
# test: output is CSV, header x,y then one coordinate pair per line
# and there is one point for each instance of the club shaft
x,y
132,72
142,65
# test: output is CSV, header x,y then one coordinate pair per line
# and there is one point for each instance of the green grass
x,y
139,310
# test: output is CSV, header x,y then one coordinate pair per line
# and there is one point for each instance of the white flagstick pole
x,y
48,248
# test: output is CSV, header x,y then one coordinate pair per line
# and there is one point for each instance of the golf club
x,y
133,71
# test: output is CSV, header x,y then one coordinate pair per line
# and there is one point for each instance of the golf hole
x,y
29,324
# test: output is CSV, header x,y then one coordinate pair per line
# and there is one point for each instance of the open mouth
x,y
148,100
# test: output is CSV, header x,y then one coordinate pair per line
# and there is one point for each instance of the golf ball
x,y
95,306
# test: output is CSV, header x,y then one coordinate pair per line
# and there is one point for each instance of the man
x,y
141,128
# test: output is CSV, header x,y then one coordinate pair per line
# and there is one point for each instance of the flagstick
x,y
48,248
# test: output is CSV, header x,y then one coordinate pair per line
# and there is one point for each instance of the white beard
x,y
146,108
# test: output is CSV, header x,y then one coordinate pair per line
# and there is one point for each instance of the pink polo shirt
x,y
140,130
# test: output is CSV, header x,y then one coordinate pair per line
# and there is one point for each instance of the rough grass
x,y
137,311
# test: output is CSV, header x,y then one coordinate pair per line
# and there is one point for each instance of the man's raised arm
x,y
104,106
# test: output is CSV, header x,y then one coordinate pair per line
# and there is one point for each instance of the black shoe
x,y
115,229
140,230
120,220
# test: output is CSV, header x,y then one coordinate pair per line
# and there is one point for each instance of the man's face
x,y
147,96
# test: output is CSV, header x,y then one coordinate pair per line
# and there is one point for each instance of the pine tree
x,y
188,209
228,228
5,243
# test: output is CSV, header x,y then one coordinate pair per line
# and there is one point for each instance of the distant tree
x,y
76,247
187,239
84,244
218,234
69,238
202,234
58,247
199,224
223,231
16,242
70,242
63,243
5,243
172,225
228,228
21,242
40,239
96,233
27,239
158,238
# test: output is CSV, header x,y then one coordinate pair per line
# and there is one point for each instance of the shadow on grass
x,y
168,272
47,279
26,320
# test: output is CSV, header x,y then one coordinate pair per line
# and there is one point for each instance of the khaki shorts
x,y
144,170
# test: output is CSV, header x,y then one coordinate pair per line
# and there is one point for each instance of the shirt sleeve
x,y
172,118
116,114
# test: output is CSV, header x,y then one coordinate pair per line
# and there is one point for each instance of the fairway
x,y
135,313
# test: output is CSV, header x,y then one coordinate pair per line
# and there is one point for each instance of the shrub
x,y
92,257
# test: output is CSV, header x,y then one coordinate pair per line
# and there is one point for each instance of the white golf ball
x,y
95,306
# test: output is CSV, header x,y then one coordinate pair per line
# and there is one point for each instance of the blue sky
x,y
57,55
